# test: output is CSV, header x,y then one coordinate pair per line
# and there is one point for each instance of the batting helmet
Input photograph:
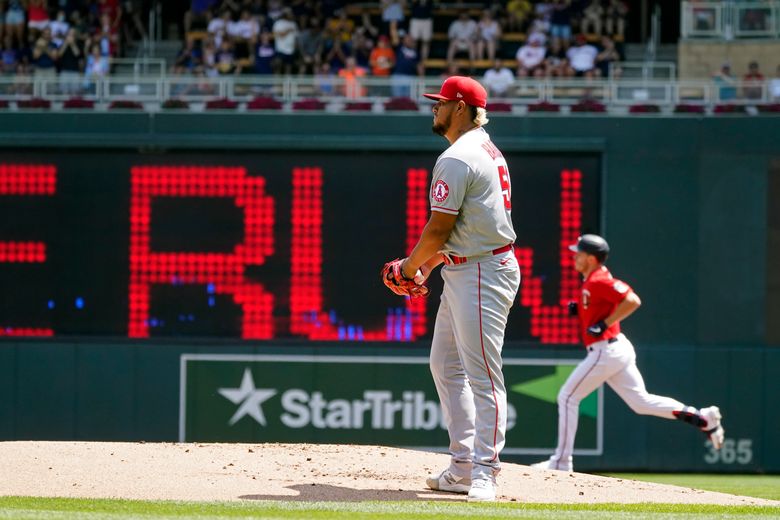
x,y
593,245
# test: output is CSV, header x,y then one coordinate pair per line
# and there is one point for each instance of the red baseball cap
x,y
457,88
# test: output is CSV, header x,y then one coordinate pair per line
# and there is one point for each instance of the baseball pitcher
x,y
469,231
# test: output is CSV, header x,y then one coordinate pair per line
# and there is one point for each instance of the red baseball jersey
x,y
600,295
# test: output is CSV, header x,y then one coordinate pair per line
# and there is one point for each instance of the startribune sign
x,y
362,400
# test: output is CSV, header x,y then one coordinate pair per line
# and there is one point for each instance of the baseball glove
x,y
394,279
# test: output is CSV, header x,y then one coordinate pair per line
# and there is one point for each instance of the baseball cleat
x,y
555,464
713,428
446,481
482,490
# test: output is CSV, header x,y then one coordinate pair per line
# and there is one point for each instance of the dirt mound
x,y
292,472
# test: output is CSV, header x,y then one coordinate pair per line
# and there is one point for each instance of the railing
x,y
336,92
729,20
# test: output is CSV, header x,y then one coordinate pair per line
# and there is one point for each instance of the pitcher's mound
x,y
309,472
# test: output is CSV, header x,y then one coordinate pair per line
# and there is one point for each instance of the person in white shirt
x,y
59,28
582,57
498,80
219,24
285,37
462,34
488,36
530,57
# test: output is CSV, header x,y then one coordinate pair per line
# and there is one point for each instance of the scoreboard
x,y
260,245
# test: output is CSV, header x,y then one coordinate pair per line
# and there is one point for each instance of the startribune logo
x,y
376,409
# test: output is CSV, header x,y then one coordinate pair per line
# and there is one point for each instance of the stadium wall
x,y
140,392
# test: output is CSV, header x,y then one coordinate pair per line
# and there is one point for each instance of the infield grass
x,y
760,486
16,508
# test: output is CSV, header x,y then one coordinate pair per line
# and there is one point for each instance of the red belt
x,y
452,259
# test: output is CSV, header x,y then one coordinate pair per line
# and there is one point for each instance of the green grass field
x,y
16,508
761,486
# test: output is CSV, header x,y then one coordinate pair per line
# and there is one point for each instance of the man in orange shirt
x,y
382,58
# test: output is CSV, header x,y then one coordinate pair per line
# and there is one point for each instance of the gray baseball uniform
x,y
481,279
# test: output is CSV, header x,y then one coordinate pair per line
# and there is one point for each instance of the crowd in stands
x,y
66,37
398,39
499,41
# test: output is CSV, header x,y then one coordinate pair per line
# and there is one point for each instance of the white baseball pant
x,y
466,360
614,363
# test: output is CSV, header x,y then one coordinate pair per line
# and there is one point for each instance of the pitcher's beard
x,y
441,128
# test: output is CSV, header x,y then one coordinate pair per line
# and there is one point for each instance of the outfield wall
x,y
379,395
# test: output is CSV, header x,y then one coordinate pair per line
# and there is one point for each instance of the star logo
x,y
249,397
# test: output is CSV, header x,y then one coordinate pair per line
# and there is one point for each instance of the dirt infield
x,y
292,472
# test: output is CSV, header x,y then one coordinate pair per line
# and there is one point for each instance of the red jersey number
x,y
506,190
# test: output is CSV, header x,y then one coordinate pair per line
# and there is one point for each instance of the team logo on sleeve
x,y
440,191
620,287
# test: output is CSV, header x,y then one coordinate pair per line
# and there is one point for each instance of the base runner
x,y
611,359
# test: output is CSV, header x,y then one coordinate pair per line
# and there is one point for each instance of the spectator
x,y
361,48
753,82
210,58
421,25
70,60
113,11
323,80
462,33
498,80
275,10
608,55
726,83
189,58
14,22
9,58
244,34
488,36
265,55
530,57
310,46
285,38
37,17
556,64
217,28
196,17
59,28
582,58
616,18
774,86
341,26
352,74
225,59
518,15
560,21
97,64
392,15
107,37
382,58
407,66
45,55
592,17
335,51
